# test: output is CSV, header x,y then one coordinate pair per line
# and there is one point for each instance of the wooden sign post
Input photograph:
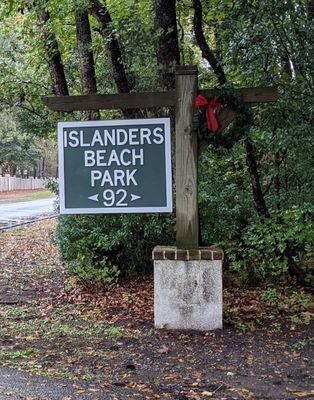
x,y
187,278
187,224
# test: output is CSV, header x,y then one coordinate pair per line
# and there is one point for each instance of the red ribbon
x,y
211,107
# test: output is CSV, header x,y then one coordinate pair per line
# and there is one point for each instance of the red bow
x,y
211,106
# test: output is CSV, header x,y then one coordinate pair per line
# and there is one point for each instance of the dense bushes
x,y
269,249
101,248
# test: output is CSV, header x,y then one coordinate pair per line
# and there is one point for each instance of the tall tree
x,y
168,53
207,53
84,41
101,13
258,196
50,44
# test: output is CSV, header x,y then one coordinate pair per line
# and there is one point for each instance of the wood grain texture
x,y
110,101
187,223
146,99
250,95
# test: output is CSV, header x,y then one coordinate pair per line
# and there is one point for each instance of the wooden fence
x,y
8,183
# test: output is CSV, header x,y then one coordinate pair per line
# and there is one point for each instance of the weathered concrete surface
x,y
188,294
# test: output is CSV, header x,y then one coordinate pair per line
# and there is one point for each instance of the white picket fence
x,y
8,183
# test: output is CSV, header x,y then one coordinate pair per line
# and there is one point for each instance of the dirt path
x,y
68,344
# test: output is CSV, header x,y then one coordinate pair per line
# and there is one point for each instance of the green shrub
x,y
261,248
52,185
299,300
102,247
270,295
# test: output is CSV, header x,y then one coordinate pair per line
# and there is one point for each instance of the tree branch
x,y
207,53
168,53
50,44
84,42
101,13
260,204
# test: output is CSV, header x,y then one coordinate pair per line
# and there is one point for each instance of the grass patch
x,y
30,324
29,196
38,195
60,341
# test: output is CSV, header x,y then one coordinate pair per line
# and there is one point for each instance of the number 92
x,y
114,197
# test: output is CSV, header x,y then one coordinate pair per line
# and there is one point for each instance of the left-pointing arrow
x,y
95,197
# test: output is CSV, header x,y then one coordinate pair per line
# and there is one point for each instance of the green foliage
x,y
276,326
101,248
224,196
303,343
17,151
238,130
259,250
52,184
299,345
300,319
238,324
259,43
299,300
270,295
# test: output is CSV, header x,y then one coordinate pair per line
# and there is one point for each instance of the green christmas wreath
x,y
206,125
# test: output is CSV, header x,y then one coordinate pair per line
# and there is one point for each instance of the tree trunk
x,y
259,201
56,70
168,52
310,7
84,42
293,268
43,163
101,13
207,53
39,169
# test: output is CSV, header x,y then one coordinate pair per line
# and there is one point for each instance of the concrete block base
x,y
188,292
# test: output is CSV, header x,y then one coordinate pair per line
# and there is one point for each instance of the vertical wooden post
x,y
187,224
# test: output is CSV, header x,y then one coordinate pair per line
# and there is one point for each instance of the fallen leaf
x,y
208,394
164,349
301,393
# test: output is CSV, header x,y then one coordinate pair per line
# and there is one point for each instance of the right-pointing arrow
x,y
135,197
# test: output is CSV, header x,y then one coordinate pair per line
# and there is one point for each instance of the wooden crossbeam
x,y
145,99
250,95
110,101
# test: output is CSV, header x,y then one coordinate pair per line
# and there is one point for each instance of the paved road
x,y
11,213
17,385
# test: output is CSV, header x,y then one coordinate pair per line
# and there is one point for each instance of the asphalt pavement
x,y
12,213
18,385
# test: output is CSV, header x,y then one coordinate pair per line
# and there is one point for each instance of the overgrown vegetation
x,y
101,248
256,198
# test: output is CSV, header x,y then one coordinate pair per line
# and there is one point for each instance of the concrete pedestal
x,y
188,288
